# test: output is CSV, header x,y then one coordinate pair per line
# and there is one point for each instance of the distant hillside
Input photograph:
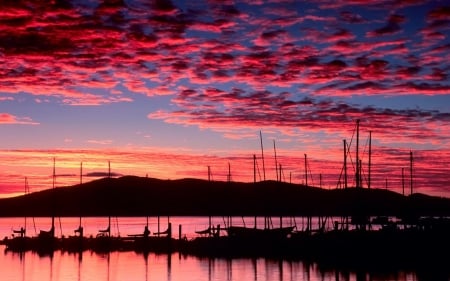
x,y
137,196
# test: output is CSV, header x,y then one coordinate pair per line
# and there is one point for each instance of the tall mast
x,y
403,181
411,169
306,171
54,173
276,164
345,164
209,173
360,173
81,182
53,187
280,170
262,155
370,157
254,168
26,189
229,172
357,175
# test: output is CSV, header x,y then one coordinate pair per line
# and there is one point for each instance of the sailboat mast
x,y
306,171
81,182
254,168
357,175
276,164
53,190
345,164
25,223
411,169
370,157
262,155
403,181
280,171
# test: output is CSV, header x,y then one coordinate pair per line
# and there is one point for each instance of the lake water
x,y
117,266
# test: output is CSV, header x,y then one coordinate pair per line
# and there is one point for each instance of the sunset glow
x,y
165,89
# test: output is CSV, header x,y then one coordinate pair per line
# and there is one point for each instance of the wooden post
x,y
179,232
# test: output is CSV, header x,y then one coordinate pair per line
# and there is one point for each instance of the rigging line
x,y
351,160
310,173
257,168
340,176
282,172
351,140
365,146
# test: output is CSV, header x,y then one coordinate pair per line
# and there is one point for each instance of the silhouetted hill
x,y
137,196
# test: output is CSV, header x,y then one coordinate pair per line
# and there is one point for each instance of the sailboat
x,y
267,232
76,243
46,242
20,243
104,242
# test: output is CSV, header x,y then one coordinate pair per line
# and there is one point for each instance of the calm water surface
x,y
174,267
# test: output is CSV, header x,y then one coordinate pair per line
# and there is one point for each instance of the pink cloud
x,y
6,118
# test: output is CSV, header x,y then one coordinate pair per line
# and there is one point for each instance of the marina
x,y
386,242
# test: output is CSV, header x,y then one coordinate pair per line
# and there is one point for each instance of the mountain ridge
x,y
142,196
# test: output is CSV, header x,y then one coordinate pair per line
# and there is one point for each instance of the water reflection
x,y
176,267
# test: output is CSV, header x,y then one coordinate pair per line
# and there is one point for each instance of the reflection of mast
x,y
22,261
255,269
229,269
107,265
146,264
280,270
80,258
169,266
51,267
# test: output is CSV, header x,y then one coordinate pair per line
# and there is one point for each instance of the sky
x,y
167,88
